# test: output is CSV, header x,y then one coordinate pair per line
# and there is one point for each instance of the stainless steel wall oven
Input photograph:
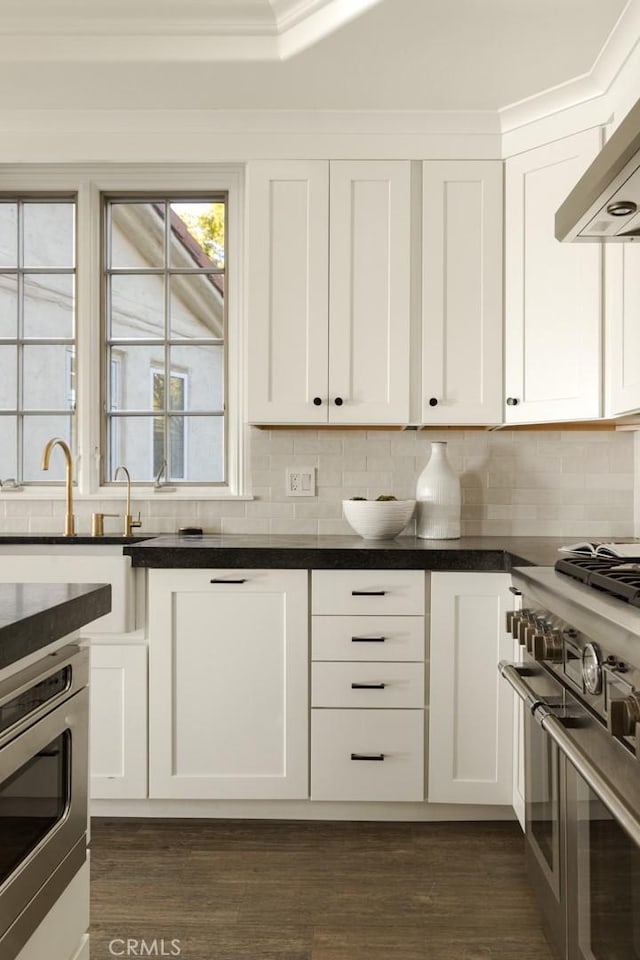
x,y
43,788
580,682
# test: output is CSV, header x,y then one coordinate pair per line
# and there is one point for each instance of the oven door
x,y
43,816
603,857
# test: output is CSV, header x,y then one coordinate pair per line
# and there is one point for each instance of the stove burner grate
x,y
615,577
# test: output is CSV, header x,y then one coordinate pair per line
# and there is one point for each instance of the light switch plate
x,y
301,481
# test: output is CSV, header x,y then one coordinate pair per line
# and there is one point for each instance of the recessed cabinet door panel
x,y
228,684
622,309
287,291
462,292
118,731
470,706
552,290
369,292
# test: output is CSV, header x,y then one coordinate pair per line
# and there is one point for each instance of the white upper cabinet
x,y
622,348
370,217
287,290
552,290
462,292
328,292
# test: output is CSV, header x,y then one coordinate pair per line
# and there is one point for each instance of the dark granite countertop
x,y
33,615
344,552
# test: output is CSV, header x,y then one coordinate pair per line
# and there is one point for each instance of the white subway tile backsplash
x,y
518,483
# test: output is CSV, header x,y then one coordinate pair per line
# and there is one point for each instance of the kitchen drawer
x,y
369,592
394,736
368,638
392,685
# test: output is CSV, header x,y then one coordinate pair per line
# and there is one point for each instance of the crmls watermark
x,y
130,947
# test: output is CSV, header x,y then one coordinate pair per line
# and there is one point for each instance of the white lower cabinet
x,y
228,684
118,721
367,685
367,755
471,707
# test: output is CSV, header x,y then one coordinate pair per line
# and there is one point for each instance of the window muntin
x,y
165,312
37,331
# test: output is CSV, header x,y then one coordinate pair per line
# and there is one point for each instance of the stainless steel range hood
x,y
605,202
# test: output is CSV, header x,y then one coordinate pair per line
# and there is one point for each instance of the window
x,y
37,331
165,311
111,276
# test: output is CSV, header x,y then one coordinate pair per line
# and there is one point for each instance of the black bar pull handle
x,y
368,593
367,756
221,580
367,686
368,639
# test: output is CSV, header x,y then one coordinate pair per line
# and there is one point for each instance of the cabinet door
x,y
470,708
287,291
622,308
462,292
370,220
552,290
118,721
228,684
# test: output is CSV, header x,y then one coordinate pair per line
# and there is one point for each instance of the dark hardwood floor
x,y
275,890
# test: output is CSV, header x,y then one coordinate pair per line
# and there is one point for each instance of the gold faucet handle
x,y
130,523
97,523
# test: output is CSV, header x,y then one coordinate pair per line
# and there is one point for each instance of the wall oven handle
x,y
514,673
581,760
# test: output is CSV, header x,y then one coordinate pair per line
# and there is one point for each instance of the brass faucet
x,y
129,522
69,520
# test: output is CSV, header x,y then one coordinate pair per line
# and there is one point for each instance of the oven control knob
x,y
624,714
591,669
516,622
548,646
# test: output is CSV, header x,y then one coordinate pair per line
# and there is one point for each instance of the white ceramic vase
x,y
438,498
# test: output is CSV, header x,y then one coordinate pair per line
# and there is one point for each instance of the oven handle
x,y
579,758
513,673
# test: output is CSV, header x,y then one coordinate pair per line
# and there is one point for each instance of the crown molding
x,y
617,50
279,30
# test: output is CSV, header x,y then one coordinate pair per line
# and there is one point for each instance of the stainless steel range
x,y
579,679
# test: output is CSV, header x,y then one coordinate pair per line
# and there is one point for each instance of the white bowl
x,y
378,519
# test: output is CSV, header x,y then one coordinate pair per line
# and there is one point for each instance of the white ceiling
x,y
364,55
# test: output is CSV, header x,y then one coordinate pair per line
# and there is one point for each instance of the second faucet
x,y
129,522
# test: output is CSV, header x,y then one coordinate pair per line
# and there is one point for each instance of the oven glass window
x,y
608,884
543,821
33,698
32,801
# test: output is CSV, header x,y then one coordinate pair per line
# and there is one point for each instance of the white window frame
x,y
179,375
89,182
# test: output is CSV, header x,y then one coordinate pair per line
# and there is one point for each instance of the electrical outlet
x,y
301,482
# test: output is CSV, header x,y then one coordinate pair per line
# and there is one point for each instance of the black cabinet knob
x,y
433,401
512,401
317,401
338,401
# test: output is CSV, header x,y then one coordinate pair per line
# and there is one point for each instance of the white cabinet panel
x,y
367,755
470,708
462,292
622,330
118,727
552,290
368,592
228,668
287,293
370,217
328,291
367,684
367,638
